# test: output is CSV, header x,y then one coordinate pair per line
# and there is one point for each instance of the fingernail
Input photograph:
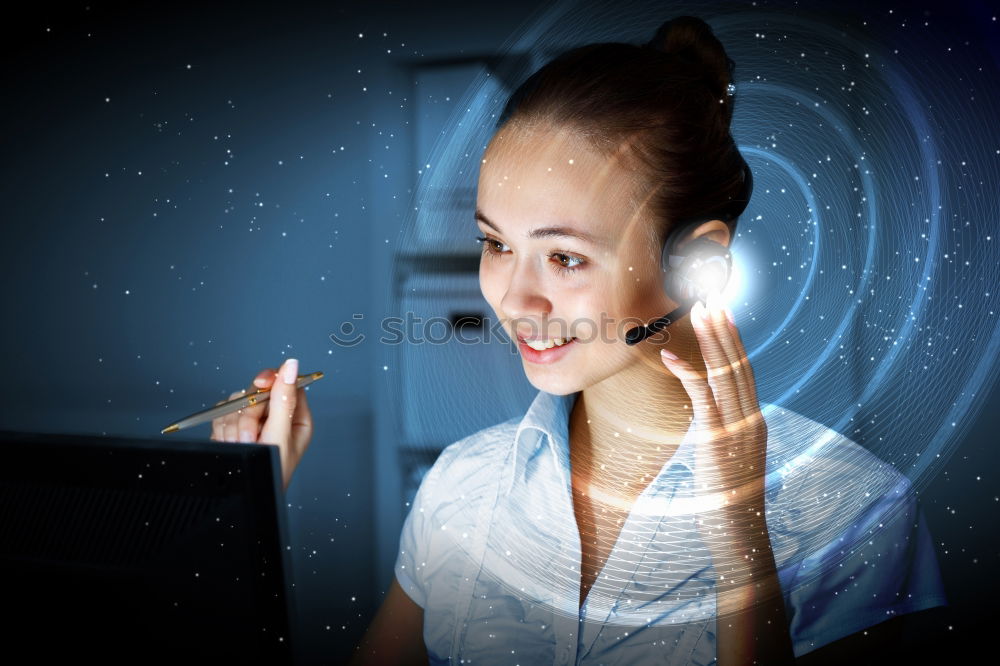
x,y
291,371
246,436
729,316
666,353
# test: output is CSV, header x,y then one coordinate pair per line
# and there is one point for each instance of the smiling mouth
x,y
543,344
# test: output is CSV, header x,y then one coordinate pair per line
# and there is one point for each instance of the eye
x,y
491,246
569,259
564,263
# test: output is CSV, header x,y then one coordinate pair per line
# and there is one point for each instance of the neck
x,y
625,428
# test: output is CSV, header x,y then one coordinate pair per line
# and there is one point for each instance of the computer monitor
x,y
143,550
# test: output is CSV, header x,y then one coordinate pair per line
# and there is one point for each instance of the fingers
x,y
281,405
265,377
302,427
216,435
287,420
748,388
729,368
725,396
733,362
228,422
302,418
243,425
217,426
718,363
248,423
703,401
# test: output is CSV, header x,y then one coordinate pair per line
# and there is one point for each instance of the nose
x,y
525,297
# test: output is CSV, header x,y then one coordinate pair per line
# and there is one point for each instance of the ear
x,y
713,230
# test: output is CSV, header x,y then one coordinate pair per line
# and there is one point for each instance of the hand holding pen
x,y
274,412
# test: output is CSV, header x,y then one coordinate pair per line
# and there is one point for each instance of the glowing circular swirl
x,y
863,273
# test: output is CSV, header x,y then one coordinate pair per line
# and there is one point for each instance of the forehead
x,y
548,175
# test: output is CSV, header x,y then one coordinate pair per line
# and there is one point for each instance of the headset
x,y
703,266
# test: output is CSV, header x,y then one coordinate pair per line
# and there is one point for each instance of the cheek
x,y
648,293
623,304
490,287
640,293
593,314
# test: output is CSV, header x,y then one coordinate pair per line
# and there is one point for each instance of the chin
x,y
553,381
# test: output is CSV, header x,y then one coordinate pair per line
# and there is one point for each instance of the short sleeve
x,y
431,503
414,539
882,565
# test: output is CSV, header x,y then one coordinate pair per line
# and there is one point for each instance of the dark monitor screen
x,y
143,550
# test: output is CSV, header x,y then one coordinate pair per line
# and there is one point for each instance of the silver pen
x,y
236,404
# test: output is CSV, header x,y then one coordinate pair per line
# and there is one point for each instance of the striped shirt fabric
x,y
490,549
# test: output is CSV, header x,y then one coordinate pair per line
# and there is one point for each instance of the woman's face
x,y
540,192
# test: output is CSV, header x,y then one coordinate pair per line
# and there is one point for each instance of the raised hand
x,y
732,435
284,419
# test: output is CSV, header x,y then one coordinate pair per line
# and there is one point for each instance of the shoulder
x,y
824,489
466,470
803,451
479,451
849,543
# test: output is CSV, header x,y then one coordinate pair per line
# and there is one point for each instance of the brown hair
x,y
668,103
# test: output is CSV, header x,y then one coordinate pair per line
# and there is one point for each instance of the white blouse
x,y
490,549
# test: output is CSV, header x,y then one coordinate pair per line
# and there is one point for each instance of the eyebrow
x,y
547,232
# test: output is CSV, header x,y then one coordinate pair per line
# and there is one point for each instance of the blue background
x,y
192,193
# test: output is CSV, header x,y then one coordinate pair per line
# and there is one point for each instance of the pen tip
x,y
170,428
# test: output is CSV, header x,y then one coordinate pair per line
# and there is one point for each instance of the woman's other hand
x,y
732,438
283,419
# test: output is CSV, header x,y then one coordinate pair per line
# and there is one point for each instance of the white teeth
x,y
542,345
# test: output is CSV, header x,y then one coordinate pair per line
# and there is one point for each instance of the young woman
x,y
646,509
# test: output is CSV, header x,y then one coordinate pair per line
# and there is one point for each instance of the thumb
x,y
278,427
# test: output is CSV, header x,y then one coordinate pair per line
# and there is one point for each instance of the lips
x,y
549,355
541,344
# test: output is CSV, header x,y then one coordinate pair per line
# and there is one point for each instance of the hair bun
x,y
690,38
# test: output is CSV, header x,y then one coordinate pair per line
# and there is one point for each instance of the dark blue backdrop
x,y
190,193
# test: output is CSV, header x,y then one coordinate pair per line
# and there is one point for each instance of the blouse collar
x,y
548,420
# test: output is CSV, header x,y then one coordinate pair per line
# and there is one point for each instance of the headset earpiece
x,y
701,266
